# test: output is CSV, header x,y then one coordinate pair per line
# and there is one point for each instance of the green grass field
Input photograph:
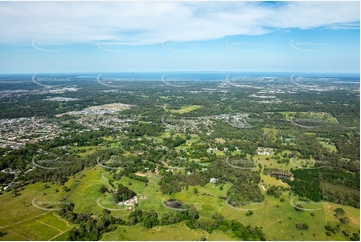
x,y
278,219
14,209
85,194
186,109
85,150
352,213
279,222
40,225
325,143
159,233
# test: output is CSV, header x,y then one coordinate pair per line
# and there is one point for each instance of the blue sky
x,y
58,37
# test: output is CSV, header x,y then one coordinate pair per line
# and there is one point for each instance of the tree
x,y
249,213
103,189
101,224
15,192
106,212
346,233
339,211
195,190
132,221
345,220
355,237
302,226
298,207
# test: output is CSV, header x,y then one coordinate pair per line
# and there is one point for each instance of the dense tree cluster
x,y
172,183
275,191
122,194
89,227
329,185
305,184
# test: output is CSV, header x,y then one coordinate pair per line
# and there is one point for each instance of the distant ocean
x,y
210,76
178,76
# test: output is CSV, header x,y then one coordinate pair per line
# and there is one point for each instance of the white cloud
x,y
156,22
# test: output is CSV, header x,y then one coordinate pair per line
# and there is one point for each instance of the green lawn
x,y
160,233
278,219
14,209
44,227
279,223
352,213
269,181
327,145
84,194
186,109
